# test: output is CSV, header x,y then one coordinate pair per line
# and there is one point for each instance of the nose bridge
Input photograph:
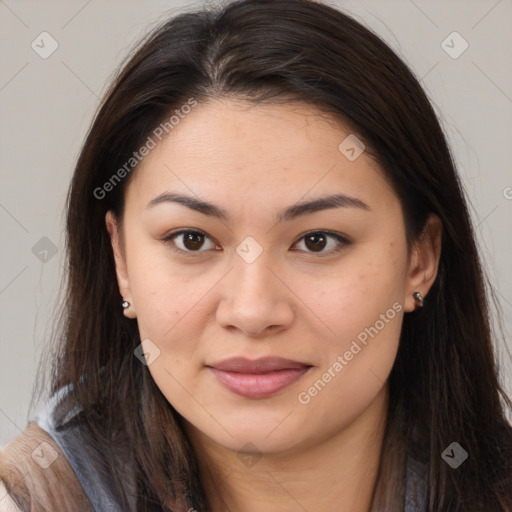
x,y
252,262
253,279
255,298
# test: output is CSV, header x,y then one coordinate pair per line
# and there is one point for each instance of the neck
x,y
339,473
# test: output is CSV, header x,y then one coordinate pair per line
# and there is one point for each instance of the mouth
x,y
260,378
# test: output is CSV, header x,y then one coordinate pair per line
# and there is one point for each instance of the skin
x,y
291,302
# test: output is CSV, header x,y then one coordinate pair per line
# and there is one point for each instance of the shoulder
x,y
35,470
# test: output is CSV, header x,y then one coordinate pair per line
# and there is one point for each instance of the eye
x,y
188,241
317,241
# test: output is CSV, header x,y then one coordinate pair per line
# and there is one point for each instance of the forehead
x,y
232,150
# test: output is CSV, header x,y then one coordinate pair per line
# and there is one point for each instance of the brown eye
x,y
189,241
317,241
193,241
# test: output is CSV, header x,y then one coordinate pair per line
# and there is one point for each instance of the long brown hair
x,y
444,385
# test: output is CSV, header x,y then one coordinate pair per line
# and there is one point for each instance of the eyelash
x,y
168,240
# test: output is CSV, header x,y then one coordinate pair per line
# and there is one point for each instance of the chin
x,y
269,433
260,443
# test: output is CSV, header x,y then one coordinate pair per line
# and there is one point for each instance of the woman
x,y
274,297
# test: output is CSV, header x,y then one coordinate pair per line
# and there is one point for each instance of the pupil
x,y
189,238
315,236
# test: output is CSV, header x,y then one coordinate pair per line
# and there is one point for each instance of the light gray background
x,y
46,106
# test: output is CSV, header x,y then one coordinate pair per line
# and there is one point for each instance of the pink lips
x,y
260,378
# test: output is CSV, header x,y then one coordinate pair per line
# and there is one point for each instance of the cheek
x,y
170,313
162,293
355,294
362,307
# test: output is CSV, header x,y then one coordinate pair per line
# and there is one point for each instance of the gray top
x,y
103,499
69,439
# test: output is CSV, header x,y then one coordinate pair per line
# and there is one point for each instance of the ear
x,y
120,260
424,261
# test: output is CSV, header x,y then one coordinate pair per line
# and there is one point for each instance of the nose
x,y
256,300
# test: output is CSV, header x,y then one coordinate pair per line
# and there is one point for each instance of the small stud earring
x,y
418,298
125,304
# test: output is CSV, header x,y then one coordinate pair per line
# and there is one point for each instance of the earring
x,y
418,298
125,304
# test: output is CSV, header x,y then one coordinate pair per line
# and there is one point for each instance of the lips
x,y
258,378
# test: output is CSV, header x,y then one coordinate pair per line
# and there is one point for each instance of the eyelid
x,y
341,239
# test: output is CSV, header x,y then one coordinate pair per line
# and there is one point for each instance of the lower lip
x,y
258,385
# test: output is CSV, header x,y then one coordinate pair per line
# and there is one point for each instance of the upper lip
x,y
263,365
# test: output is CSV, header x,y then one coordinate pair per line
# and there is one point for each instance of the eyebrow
x,y
288,214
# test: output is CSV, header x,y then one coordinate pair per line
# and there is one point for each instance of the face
x,y
323,286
